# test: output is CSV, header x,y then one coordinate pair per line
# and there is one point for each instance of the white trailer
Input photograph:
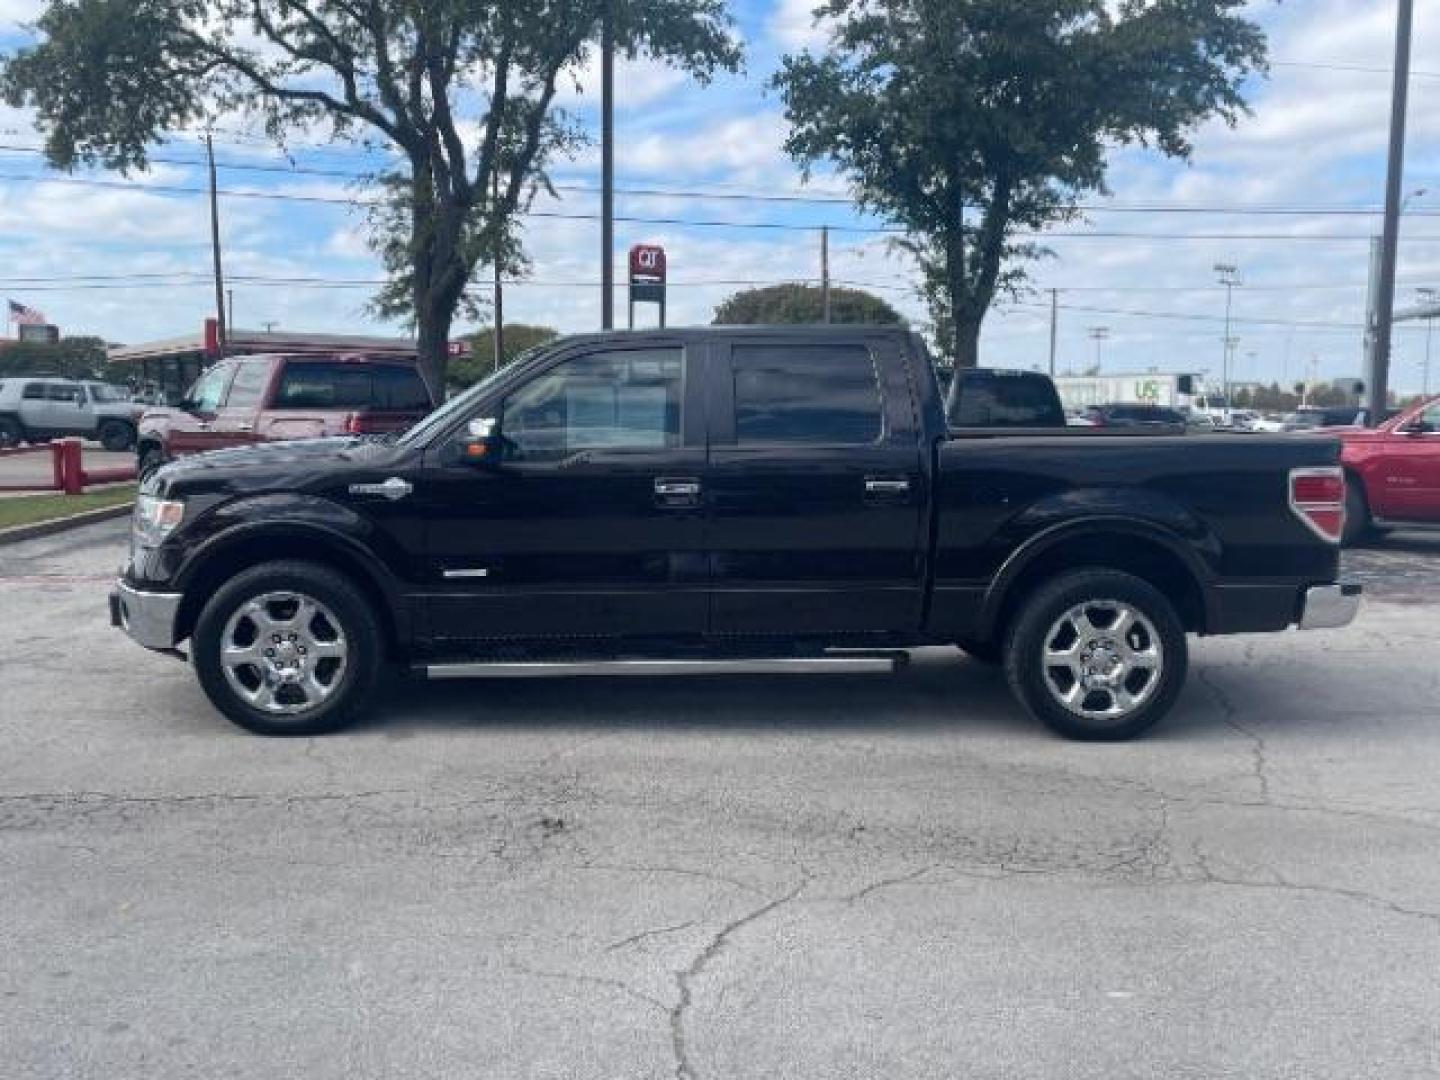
x,y
1172,391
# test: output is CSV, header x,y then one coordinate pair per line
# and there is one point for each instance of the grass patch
x,y
28,509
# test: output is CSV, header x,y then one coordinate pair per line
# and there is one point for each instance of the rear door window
x,y
810,394
351,386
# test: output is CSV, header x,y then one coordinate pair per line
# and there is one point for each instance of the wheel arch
x,y
227,556
1127,546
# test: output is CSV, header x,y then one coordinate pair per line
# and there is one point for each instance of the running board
x,y
856,663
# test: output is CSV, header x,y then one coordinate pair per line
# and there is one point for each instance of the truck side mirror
x,y
482,445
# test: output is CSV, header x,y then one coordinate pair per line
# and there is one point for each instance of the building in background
x,y
164,370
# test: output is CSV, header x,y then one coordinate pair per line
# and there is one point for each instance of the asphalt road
x,y
844,877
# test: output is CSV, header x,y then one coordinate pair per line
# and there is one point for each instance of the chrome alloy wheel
x,y
1102,659
283,652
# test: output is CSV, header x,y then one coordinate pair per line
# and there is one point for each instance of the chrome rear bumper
x,y
1330,606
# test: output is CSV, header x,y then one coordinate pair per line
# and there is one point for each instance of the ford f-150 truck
x,y
703,500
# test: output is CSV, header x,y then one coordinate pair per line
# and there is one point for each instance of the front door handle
x,y
677,491
877,485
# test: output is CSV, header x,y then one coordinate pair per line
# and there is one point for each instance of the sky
x,y
127,259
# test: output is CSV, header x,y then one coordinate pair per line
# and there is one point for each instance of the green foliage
x,y
973,123
462,92
790,304
71,357
479,363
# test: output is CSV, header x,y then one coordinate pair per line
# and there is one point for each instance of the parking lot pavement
x,y
844,877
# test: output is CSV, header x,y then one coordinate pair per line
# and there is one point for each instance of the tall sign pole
x,y
499,294
825,273
607,166
1054,326
1377,382
221,336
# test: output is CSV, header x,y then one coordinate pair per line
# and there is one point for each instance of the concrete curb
x,y
16,533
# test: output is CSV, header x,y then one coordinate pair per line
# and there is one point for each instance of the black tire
x,y
991,653
11,433
151,458
1031,679
358,630
1359,525
116,435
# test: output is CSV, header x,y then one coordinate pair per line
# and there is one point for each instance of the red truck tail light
x,y
359,423
1317,497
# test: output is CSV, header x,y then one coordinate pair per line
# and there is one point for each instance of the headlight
x,y
156,518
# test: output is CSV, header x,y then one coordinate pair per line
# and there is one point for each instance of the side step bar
x,y
842,662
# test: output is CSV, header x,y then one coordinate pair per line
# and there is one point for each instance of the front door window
x,y
620,400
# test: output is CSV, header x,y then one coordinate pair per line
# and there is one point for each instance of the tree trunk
x,y
967,342
432,325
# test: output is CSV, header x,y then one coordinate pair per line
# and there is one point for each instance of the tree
x,y
70,357
461,91
787,304
480,362
972,123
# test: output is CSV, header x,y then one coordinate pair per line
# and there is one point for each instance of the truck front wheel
x,y
116,435
1097,655
288,648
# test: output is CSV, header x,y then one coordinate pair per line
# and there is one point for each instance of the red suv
x,y
1394,472
252,399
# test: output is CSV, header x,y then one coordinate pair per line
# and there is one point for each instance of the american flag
x,y
21,315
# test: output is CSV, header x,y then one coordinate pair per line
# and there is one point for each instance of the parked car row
x,y
38,409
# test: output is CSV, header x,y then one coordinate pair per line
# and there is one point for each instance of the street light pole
x,y
1099,334
1229,277
1429,296
607,166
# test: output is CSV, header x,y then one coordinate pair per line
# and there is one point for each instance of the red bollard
x,y
74,473
57,464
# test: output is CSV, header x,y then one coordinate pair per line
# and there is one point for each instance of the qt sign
x,y
647,278
647,264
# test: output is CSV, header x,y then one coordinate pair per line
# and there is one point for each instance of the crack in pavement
x,y
889,883
644,934
588,980
1229,712
684,1069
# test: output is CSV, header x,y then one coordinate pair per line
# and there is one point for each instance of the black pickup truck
x,y
731,499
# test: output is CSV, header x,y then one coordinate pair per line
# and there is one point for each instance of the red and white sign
x,y
647,264
456,349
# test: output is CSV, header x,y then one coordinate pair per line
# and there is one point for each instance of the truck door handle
x,y
876,485
244,427
680,491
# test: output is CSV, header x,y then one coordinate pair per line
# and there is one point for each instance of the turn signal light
x,y
1317,497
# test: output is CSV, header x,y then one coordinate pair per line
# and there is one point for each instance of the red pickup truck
x,y
252,399
1394,472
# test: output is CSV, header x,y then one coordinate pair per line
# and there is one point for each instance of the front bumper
x,y
148,617
1330,606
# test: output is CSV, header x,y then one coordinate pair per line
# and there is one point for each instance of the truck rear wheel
x,y
1097,655
288,648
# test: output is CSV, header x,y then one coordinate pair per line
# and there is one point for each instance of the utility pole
x,y
230,307
1229,277
1378,377
825,272
607,166
1054,326
499,293
220,322
1099,334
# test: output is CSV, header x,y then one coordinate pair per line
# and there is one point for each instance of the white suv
x,y
38,407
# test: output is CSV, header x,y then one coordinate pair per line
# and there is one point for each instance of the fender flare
x,y
1037,546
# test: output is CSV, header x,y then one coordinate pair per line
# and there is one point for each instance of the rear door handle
x,y
677,491
877,485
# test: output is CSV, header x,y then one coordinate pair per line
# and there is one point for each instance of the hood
x,y
291,464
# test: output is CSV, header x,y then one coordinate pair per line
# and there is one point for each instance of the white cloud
x,y
792,24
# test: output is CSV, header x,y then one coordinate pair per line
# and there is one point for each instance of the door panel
x,y
192,425
234,423
593,526
1409,471
816,492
